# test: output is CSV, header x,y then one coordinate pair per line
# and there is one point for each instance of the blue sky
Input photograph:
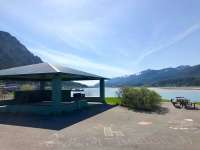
x,y
107,37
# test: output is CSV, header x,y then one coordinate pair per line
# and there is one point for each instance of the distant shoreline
x,y
169,88
177,88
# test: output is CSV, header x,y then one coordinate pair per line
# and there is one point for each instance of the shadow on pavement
x,y
159,110
53,122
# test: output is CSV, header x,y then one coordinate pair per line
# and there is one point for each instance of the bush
x,y
139,98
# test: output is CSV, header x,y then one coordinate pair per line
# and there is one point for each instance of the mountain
x,y
70,85
179,76
13,53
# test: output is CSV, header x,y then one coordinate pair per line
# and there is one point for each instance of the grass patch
x,y
198,103
117,101
113,100
165,100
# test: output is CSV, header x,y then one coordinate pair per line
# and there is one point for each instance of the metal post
x,y
56,92
102,90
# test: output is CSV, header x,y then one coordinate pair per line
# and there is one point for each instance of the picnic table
x,y
183,102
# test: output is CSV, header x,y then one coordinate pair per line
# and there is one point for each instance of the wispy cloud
x,y
175,40
78,62
106,37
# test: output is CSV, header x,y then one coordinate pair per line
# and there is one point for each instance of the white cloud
x,y
78,62
79,35
173,41
105,37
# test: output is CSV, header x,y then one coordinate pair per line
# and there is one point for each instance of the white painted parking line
x,y
144,123
108,132
190,120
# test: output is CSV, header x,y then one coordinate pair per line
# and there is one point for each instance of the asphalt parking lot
x,y
103,127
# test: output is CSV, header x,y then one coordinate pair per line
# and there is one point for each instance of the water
x,y
191,94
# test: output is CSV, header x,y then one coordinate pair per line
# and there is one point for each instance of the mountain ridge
x,y
179,76
14,53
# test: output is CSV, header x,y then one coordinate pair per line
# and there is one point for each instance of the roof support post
x,y
102,90
56,92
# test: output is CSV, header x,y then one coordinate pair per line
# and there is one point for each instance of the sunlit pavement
x,y
113,128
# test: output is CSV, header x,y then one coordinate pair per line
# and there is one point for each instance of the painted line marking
x,y
144,123
108,132
190,120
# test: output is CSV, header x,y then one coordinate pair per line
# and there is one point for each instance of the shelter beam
x,y
102,90
56,91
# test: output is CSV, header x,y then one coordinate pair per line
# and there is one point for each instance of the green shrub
x,y
139,98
